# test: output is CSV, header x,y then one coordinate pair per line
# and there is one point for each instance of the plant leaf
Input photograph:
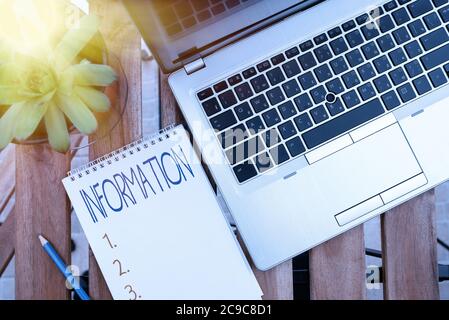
x,y
30,117
77,112
75,40
58,134
94,99
87,74
8,123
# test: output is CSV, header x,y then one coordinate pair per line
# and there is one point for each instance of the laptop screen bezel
x,y
134,8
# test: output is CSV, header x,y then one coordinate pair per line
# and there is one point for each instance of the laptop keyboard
x,y
297,100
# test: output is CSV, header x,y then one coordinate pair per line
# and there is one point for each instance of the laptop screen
x,y
179,31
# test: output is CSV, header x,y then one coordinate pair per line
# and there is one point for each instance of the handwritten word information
x,y
126,188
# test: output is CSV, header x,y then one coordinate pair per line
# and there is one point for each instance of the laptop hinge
x,y
194,66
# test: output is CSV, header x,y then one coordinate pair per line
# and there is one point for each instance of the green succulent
x,y
52,88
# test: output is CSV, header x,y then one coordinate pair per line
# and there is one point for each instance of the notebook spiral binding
x,y
122,153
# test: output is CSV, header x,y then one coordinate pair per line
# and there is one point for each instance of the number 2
x,y
121,272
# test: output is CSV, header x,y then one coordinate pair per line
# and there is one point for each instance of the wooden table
x,y
337,268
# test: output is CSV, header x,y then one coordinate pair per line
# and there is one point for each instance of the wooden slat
x,y
123,41
7,230
337,268
7,177
276,283
409,250
41,207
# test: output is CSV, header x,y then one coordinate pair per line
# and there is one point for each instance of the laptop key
x,y
335,86
307,61
413,68
235,80
279,154
233,136
362,19
335,108
382,64
343,123
227,99
335,32
307,80
401,16
259,103
221,86
406,93
275,76
422,85
413,49
339,46
243,111
295,146
397,56
351,99
366,91
351,79
432,21
390,5
287,130
303,122
271,117
439,3
291,68
255,125
207,93
318,94
223,120
366,71
382,84
249,73
438,77
320,39
319,114
303,102
293,52
385,43
264,66
287,110
278,59
398,76
244,91
323,73
245,171
323,53
370,50
354,38
349,25
339,65
416,28
260,83
444,14
275,96
436,57
370,32
391,100
354,58
211,107
434,39
291,88
305,46
420,7
386,23
401,35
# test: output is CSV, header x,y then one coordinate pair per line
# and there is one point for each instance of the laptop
x,y
312,116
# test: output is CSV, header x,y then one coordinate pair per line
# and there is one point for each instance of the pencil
x,y
51,251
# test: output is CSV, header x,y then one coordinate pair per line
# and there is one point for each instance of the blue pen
x,y
63,268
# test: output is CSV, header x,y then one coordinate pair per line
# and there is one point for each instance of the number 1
x,y
109,241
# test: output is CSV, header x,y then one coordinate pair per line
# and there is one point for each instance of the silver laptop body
x,y
356,154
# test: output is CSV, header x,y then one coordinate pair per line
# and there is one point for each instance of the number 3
x,y
131,291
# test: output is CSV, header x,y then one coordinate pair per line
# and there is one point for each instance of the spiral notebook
x,y
154,224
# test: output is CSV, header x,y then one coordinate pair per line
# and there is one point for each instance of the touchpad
x,y
365,169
